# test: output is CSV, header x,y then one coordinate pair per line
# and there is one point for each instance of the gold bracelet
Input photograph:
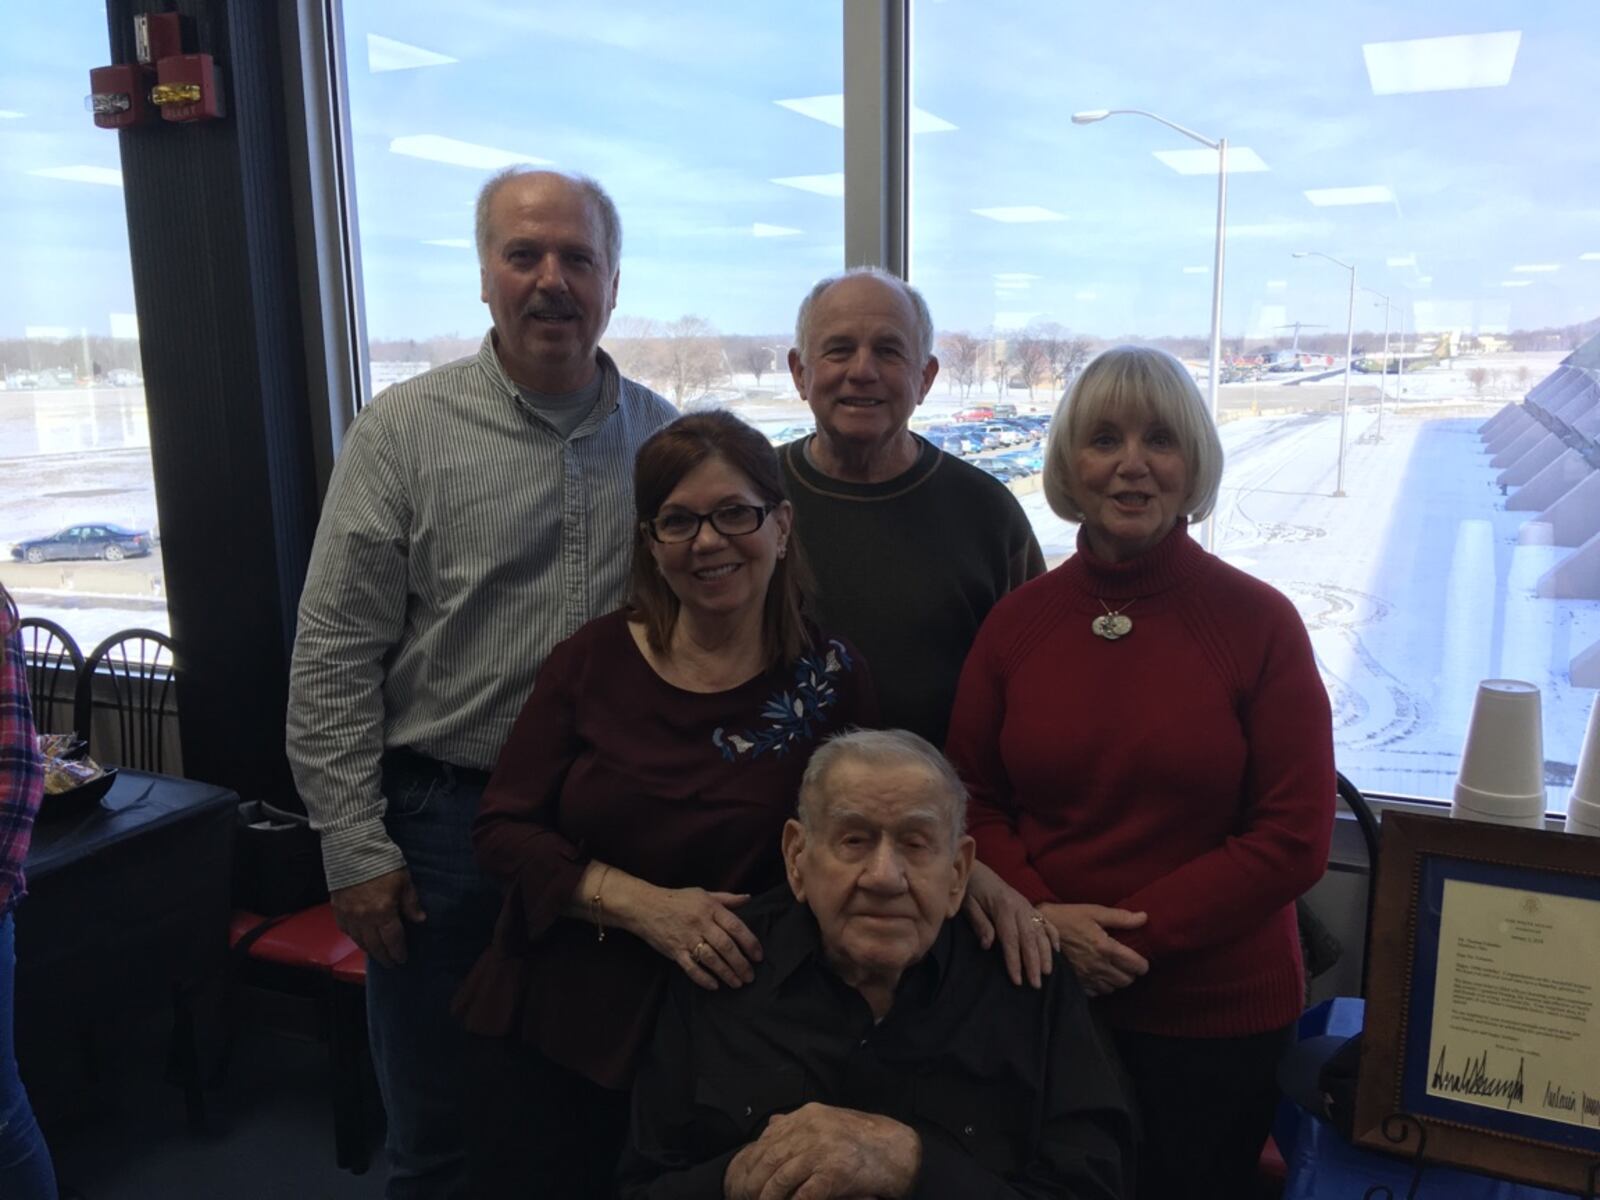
x,y
597,910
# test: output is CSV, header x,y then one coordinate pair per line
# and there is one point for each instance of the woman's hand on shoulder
x,y
999,912
696,929
1102,963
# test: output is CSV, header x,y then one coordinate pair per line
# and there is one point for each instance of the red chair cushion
x,y
309,938
352,968
1271,1167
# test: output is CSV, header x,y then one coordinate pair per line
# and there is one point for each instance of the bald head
x,y
604,212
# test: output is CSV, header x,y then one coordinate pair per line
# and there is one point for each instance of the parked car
x,y
110,542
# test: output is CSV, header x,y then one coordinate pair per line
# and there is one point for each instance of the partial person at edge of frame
x,y
639,803
26,1170
478,514
1149,750
911,547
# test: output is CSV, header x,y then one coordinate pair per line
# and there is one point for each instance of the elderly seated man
x,y
881,1051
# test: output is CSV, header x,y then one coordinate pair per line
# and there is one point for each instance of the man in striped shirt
x,y
478,514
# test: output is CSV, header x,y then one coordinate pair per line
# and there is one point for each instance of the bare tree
x,y
1478,377
634,345
959,353
691,358
753,356
1030,360
1075,354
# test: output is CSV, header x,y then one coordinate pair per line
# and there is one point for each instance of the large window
x,y
1442,155
79,541
717,128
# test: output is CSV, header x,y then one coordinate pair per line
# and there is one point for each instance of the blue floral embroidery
x,y
793,714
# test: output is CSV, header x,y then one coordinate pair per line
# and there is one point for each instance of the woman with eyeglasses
x,y
638,803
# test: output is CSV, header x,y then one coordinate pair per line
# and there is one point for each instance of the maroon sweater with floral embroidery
x,y
683,789
1185,771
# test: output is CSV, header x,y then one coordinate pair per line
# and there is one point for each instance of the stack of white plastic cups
x,y
1502,764
1583,805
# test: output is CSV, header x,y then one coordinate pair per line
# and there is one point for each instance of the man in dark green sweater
x,y
911,547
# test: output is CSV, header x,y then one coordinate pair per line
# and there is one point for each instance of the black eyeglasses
x,y
730,520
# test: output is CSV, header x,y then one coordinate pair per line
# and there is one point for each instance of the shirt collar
x,y
794,941
610,384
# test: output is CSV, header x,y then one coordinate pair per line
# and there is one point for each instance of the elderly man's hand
x,y
372,914
996,909
820,1152
1102,963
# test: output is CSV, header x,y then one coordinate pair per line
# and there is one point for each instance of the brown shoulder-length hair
x,y
664,460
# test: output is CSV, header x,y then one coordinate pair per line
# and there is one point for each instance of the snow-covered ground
x,y
1413,584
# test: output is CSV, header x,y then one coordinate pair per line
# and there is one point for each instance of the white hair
x,y
1149,383
883,748
923,347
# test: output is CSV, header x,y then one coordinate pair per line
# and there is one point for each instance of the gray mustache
x,y
550,306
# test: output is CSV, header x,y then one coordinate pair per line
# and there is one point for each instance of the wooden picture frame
x,y
1499,1103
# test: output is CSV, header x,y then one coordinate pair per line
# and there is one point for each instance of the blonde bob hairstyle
x,y
1152,386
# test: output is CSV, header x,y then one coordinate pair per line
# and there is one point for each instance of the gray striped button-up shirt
x,y
460,540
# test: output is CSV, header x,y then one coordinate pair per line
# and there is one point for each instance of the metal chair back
x,y
136,668
1357,803
53,664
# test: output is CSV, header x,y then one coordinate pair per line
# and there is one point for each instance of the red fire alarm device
x,y
186,88
119,96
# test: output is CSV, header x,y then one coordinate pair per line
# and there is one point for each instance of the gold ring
x,y
702,944
1037,919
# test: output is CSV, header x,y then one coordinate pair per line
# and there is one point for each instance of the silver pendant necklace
x,y
1112,624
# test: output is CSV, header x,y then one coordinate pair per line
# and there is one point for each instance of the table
x,y
1321,1165
127,907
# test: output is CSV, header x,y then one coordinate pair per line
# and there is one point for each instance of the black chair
x,y
54,664
1320,948
1357,803
135,668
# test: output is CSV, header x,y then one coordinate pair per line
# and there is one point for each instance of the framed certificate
x,y
1483,1008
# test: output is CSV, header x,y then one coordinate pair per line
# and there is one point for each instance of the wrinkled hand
x,y
373,913
820,1152
697,930
995,908
1102,963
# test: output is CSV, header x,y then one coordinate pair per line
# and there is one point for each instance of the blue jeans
x,y
418,1049
26,1172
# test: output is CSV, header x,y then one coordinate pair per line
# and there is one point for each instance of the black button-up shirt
x,y
1011,1090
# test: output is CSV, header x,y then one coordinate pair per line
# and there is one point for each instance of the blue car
x,y
110,542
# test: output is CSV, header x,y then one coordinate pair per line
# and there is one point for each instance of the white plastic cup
x,y
1583,803
1502,763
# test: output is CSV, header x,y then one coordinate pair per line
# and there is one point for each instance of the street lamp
x,y
1220,145
1349,349
1383,378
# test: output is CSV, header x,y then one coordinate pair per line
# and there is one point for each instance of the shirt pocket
x,y
991,1122
745,1100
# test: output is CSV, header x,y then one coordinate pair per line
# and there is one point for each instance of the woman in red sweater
x,y
1149,749
638,804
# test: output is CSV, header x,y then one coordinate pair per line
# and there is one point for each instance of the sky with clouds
x,y
1448,151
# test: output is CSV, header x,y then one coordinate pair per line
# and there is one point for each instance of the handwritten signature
x,y
1474,1079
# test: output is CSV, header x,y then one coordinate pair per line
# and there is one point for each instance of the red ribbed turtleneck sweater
x,y
1185,770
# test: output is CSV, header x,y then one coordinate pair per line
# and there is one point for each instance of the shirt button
x,y
863,1041
967,1131
748,1110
